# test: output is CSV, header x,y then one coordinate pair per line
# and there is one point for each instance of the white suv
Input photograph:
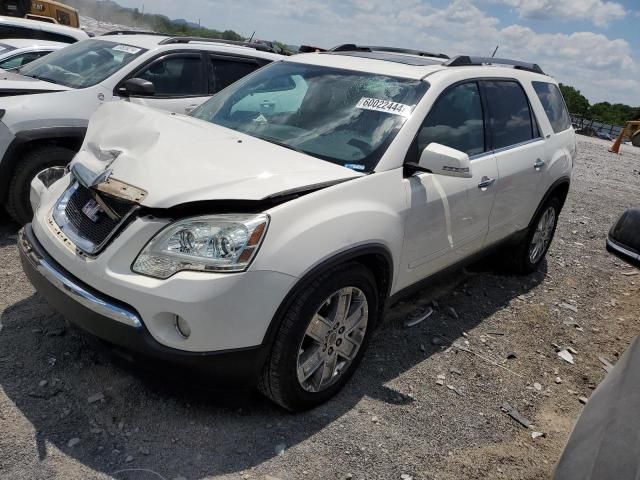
x,y
45,106
262,237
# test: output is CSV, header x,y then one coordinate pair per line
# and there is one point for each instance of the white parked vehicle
x,y
17,52
45,106
264,235
12,27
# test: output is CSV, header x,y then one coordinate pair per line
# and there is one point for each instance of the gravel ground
x,y
68,410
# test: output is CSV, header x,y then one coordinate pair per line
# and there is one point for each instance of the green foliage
x,y
577,103
109,11
615,114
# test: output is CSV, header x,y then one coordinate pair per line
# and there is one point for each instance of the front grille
x,y
96,232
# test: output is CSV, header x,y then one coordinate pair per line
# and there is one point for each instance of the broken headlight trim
x,y
212,243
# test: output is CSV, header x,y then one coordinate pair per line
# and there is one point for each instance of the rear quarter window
x,y
553,104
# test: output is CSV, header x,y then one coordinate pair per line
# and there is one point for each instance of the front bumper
x,y
121,326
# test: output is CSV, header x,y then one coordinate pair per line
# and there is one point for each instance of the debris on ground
x,y
517,416
421,317
568,306
535,435
583,400
566,356
455,389
95,397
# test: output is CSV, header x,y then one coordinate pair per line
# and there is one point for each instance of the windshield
x,y
341,116
82,64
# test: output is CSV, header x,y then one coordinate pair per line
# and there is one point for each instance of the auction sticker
x,y
126,49
385,106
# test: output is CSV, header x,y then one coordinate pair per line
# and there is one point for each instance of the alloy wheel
x,y
542,235
332,339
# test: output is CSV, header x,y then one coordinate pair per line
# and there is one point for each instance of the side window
x,y
20,60
225,72
456,120
179,75
553,104
509,114
63,17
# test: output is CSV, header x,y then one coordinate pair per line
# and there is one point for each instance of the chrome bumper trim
x,y
72,289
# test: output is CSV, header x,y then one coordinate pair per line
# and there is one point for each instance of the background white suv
x,y
45,106
17,52
262,239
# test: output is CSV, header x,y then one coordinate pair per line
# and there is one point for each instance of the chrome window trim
x,y
504,149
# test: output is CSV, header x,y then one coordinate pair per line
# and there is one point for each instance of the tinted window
x,y
553,103
8,31
226,72
509,114
456,121
20,60
176,75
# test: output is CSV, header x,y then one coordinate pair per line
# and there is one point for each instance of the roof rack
x,y
352,47
254,45
466,60
132,32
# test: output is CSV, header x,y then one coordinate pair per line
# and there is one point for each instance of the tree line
x,y
605,112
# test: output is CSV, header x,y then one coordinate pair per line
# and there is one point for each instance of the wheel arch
x,y
560,189
375,257
25,141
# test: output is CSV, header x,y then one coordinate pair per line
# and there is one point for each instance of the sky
x,y
593,45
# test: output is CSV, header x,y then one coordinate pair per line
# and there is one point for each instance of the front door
x,y
180,82
448,218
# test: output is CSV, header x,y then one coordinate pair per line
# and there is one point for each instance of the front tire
x,y
322,338
530,253
30,165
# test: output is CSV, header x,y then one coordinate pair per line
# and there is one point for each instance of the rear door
x,y
448,217
520,153
180,81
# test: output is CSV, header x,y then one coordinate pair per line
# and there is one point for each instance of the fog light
x,y
182,327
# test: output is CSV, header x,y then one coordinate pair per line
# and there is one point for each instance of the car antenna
x,y
494,52
254,32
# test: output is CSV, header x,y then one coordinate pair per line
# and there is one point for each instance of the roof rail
x,y
352,47
466,60
132,32
254,45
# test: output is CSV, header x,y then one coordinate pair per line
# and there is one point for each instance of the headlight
x,y
215,243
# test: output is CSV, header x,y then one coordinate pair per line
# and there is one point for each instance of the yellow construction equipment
x,y
630,131
42,10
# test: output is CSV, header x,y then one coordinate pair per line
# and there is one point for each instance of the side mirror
x,y
441,160
624,237
138,87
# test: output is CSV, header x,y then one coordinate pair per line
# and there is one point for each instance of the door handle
x,y
539,164
485,183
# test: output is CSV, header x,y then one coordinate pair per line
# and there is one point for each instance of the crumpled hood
x,y
15,84
178,159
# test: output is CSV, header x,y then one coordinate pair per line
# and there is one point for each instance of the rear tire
x,y
31,164
529,254
314,343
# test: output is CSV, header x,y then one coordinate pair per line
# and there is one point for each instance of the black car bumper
x,y
121,326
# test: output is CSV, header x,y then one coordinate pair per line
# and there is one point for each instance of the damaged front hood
x,y
178,159
15,84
